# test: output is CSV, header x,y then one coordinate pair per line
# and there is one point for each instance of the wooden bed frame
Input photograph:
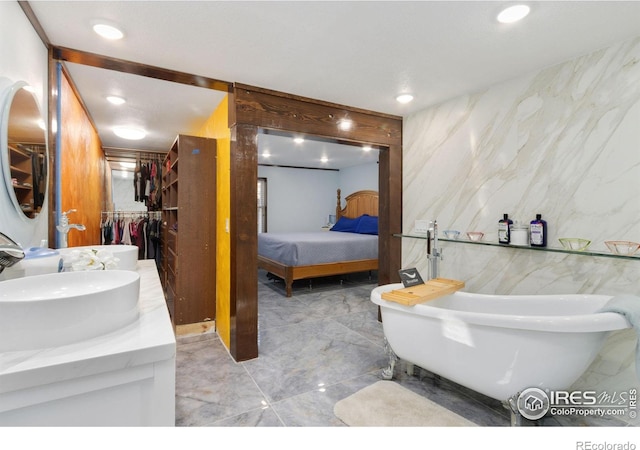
x,y
358,203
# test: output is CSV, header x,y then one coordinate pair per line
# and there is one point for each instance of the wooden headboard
x,y
358,203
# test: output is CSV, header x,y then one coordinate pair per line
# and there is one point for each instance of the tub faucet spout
x,y
434,254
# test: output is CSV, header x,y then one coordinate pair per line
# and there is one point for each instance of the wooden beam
x,y
121,65
244,243
293,113
35,23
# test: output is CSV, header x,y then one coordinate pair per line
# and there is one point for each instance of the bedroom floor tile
x,y
316,348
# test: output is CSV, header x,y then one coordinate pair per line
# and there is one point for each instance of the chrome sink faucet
x,y
64,226
10,252
434,254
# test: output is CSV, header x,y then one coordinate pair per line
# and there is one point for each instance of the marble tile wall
x,y
563,142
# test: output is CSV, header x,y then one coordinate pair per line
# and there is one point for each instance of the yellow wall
x,y
217,127
82,165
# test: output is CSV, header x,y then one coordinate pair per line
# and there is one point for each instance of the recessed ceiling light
x,y
128,165
108,31
114,99
133,134
298,140
513,13
404,98
345,124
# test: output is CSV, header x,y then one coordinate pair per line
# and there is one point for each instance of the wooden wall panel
x,y
82,165
390,214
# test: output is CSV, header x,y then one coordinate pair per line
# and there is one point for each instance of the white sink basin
x,y
127,254
63,308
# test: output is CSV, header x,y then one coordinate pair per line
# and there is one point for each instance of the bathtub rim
x,y
578,323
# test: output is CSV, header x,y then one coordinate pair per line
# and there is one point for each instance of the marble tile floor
x,y
315,348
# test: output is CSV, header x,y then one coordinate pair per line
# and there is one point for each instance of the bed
x,y
296,256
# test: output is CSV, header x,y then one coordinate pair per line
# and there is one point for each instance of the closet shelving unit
x,y
21,171
188,229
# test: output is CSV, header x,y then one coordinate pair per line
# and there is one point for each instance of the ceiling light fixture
x,y
345,124
324,159
298,140
366,148
115,100
266,153
108,31
404,98
513,13
133,134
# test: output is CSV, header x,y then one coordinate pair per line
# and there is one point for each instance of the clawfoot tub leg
x,y
387,374
410,368
512,405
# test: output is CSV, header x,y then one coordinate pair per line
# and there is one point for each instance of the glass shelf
x,y
523,247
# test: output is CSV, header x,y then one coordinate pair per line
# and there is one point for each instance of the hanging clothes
x,y
141,229
140,226
126,231
157,230
150,239
144,176
106,231
116,231
136,184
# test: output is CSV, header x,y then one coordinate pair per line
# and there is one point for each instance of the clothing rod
x,y
128,211
150,157
131,212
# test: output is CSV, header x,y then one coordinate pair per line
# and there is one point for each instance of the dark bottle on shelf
x,y
538,232
504,229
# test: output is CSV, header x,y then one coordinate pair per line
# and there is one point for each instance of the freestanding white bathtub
x,y
499,345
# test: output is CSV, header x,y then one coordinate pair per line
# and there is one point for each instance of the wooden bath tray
x,y
434,288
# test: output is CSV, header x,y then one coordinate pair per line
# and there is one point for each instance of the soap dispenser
x,y
504,229
538,230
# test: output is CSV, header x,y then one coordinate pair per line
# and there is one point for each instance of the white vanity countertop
x,y
147,340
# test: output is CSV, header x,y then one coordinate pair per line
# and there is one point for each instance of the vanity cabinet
x,y
189,229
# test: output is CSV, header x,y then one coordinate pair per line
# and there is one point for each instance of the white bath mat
x,y
387,404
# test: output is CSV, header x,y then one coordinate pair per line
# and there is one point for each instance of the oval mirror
x,y
24,151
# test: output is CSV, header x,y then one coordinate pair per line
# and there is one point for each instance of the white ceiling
x,y
360,53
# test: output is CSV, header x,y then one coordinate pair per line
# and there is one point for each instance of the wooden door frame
x,y
251,109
